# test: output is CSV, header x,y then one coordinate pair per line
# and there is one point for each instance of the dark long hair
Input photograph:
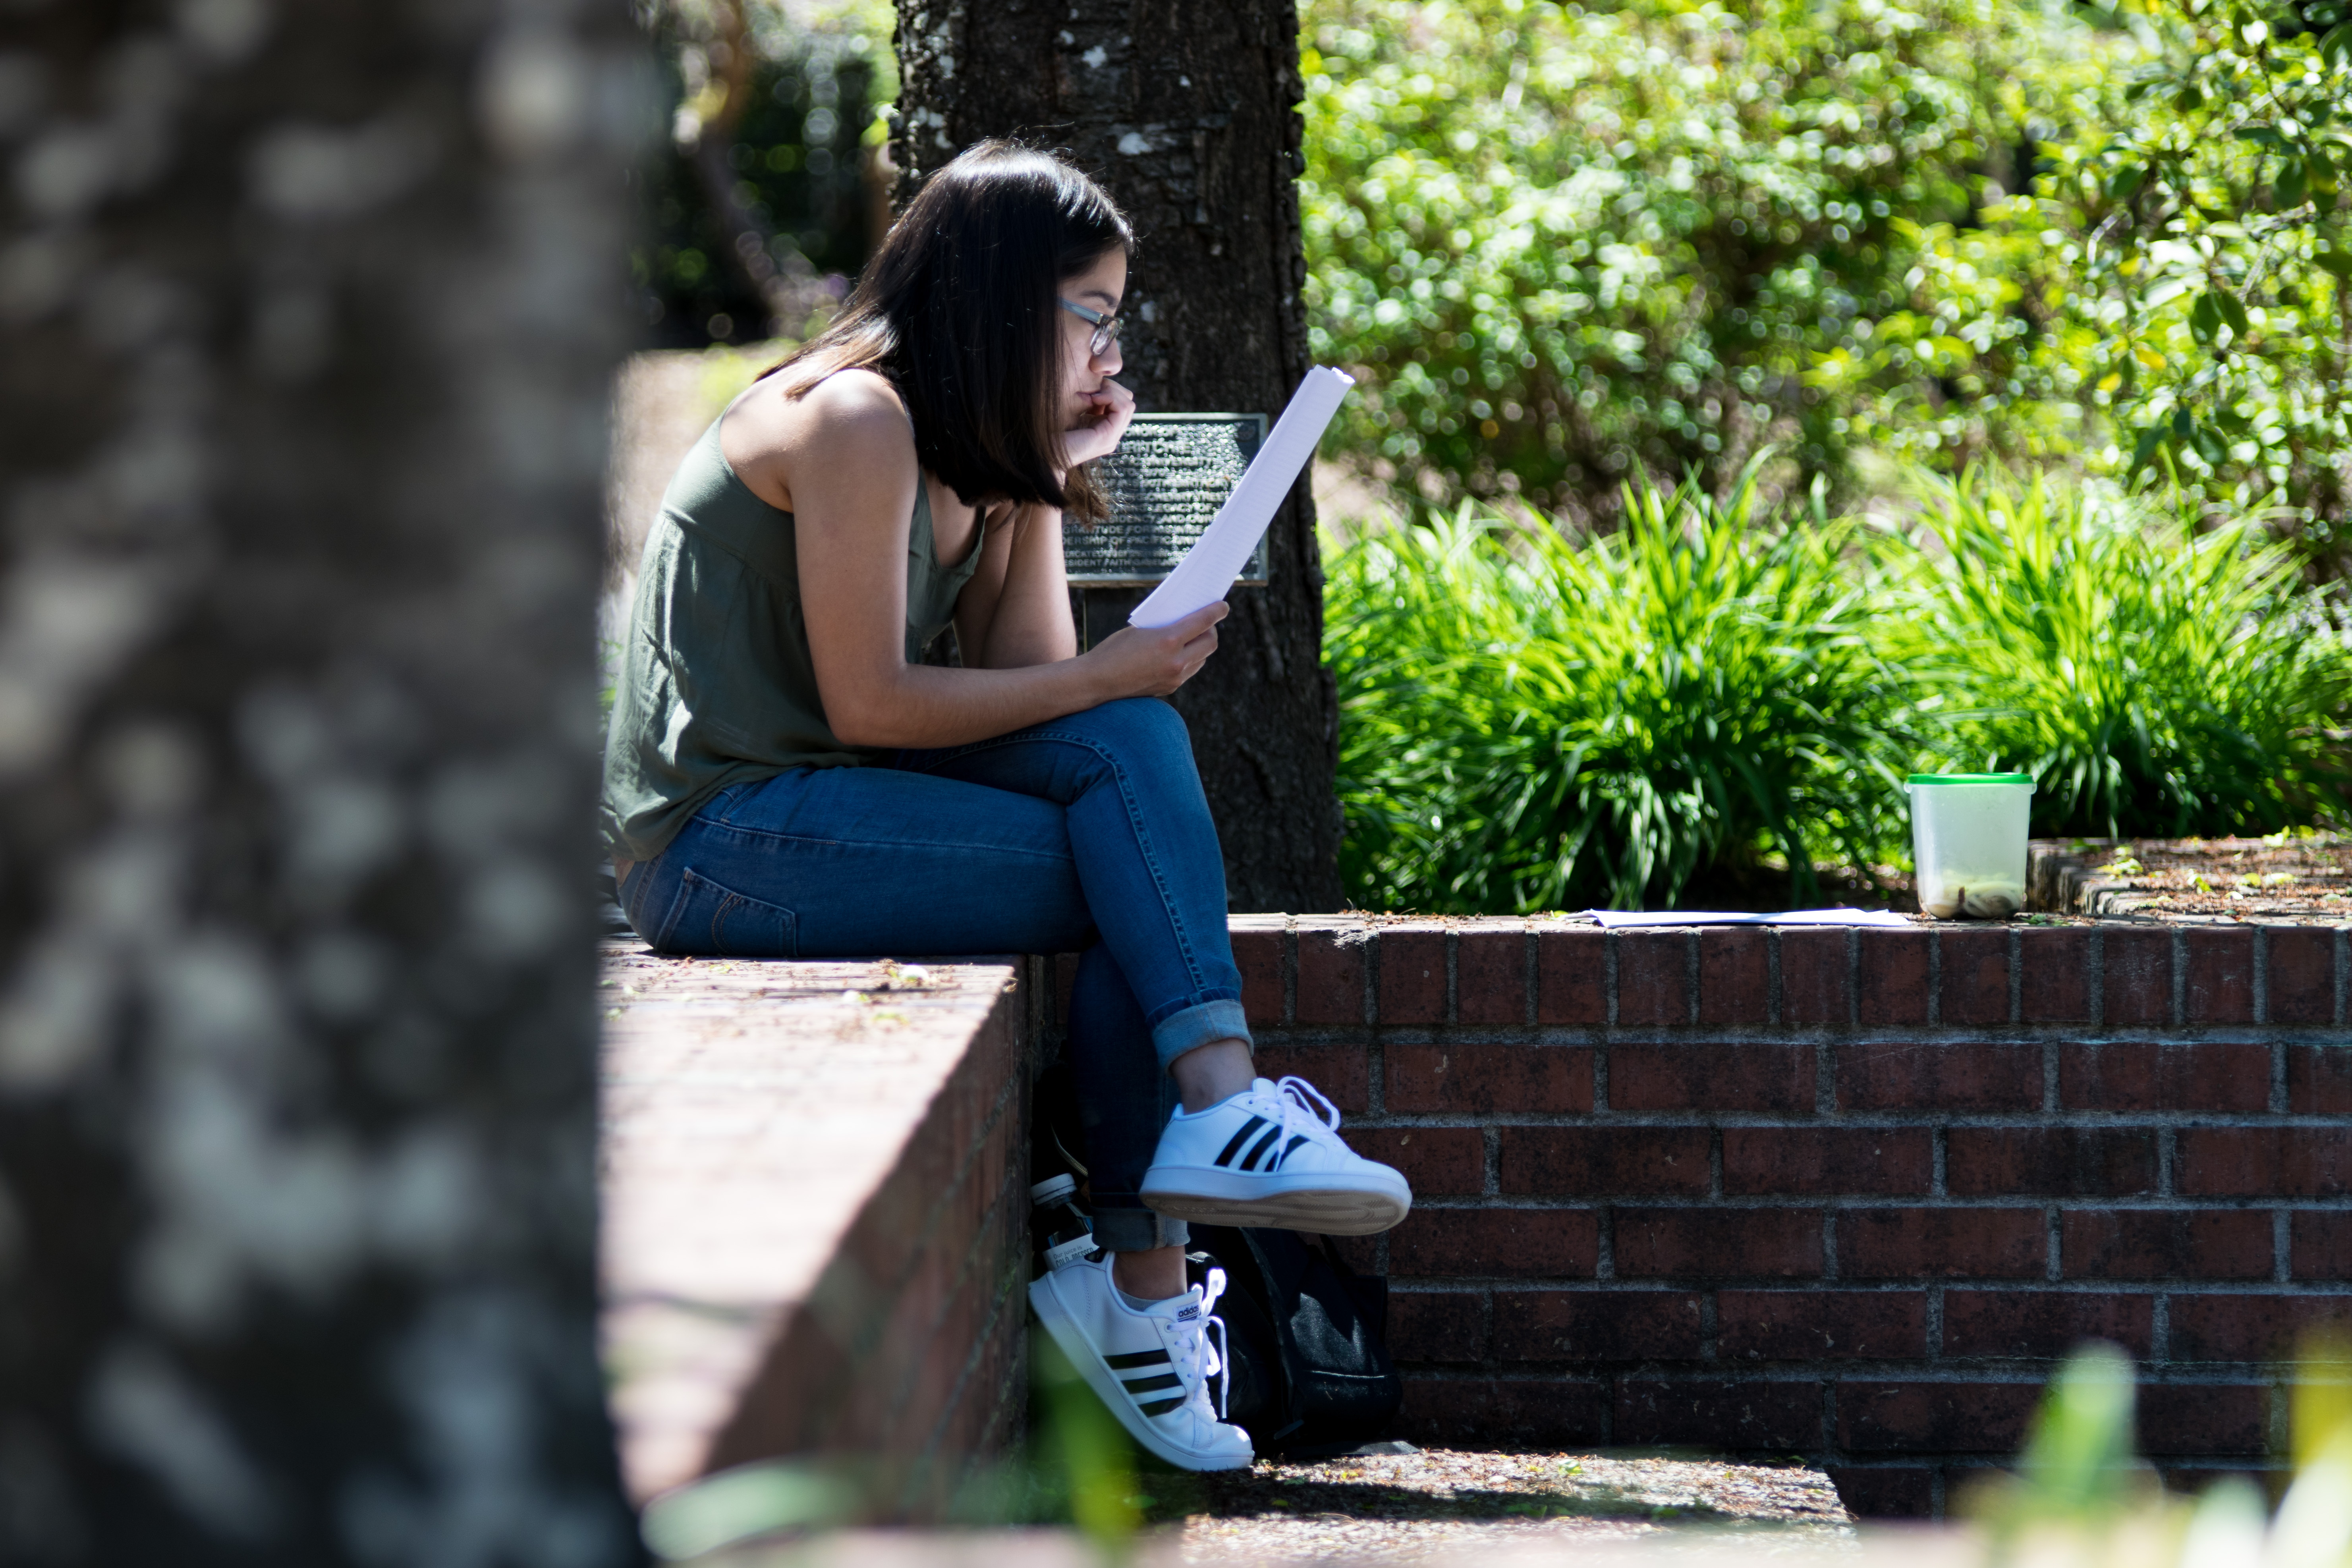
x,y
957,309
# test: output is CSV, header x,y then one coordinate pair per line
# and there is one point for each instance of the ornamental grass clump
x,y
2155,681
1530,722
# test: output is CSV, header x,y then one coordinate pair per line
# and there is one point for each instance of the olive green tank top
x,y
716,684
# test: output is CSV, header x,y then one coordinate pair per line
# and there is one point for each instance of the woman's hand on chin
x,y
1136,661
1095,434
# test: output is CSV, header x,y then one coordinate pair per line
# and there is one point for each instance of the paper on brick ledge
x,y
1838,917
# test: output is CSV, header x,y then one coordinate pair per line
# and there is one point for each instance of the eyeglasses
x,y
1105,323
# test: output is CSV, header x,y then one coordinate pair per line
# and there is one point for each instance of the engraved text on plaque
x,y
1171,474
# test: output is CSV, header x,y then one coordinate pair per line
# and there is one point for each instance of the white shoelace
x,y
1197,1360
1302,1108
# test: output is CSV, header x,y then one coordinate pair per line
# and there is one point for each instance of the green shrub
x,y
1554,242
2153,680
1528,723
2178,268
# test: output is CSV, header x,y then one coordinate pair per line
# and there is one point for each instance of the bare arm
x,y
848,458
1018,614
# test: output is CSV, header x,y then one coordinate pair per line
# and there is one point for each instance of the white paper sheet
x,y
1841,917
1208,569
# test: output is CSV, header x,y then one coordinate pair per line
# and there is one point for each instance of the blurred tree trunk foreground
x,y
1188,115
307,319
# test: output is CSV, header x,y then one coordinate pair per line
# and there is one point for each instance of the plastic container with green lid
x,y
1967,841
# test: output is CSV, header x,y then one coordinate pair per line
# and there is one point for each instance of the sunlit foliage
x,y
1528,723
1559,242
2153,680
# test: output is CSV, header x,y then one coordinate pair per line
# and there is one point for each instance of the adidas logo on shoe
x,y
1151,1367
1149,1382
1272,1155
1257,1151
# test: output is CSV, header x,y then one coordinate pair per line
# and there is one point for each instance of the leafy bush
x,y
2178,269
2153,680
1556,242
1531,724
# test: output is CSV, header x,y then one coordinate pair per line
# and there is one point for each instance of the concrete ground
x,y
1440,1505
1436,1509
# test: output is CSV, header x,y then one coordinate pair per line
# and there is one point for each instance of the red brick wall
x,y
908,1360
1842,1194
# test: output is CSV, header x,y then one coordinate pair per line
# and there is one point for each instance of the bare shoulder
x,y
854,402
851,424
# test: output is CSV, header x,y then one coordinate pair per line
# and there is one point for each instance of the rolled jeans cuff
x,y
1198,1025
1139,1229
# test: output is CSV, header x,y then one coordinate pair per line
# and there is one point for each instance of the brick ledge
x,y
814,1215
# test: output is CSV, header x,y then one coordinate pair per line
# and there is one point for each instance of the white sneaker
x,y
1151,1367
1272,1155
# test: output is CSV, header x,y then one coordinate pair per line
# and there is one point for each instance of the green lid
x,y
1972,778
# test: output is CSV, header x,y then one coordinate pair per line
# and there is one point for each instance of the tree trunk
x,y
307,319
1188,114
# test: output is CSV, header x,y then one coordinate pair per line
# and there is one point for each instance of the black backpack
x,y
1309,1373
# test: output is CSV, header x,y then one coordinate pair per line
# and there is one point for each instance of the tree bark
x,y
1188,114
307,319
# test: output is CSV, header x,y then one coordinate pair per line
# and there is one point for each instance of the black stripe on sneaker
x,y
1134,1357
1161,1406
1153,1385
1225,1156
1287,1150
1249,1161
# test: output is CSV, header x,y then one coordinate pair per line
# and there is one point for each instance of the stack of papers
x,y
1615,917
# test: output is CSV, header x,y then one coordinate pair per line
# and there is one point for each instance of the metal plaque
x,y
1171,474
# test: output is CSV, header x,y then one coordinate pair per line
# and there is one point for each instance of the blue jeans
x,y
1089,832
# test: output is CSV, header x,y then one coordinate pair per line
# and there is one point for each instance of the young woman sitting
x,y
786,778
